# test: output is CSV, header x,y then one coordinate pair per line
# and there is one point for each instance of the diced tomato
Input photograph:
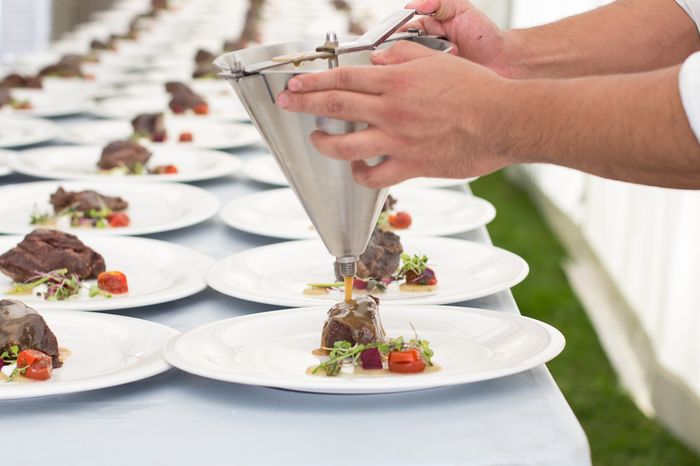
x,y
177,109
201,109
112,282
39,370
160,137
170,169
186,136
89,77
401,220
118,219
28,357
406,362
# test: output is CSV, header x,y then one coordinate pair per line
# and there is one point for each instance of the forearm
x,y
626,36
626,127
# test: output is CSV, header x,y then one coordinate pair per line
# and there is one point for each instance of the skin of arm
x,y
625,36
434,114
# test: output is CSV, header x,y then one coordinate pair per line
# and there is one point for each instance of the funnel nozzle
x,y
347,265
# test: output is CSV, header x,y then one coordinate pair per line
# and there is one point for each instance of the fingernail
x,y
294,85
283,100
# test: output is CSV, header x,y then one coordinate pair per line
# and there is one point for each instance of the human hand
x,y
474,35
430,113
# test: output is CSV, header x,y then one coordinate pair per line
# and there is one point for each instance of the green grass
x,y
619,434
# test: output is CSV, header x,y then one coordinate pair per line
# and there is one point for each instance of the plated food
x,y
274,349
354,343
95,350
279,273
128,106
28,347
120,161
278,213
116,209
49,269
167,130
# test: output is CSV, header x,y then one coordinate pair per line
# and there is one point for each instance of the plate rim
x,y
556,345
213,205
217,284
49,131
228,165
486,217
202,260
112,379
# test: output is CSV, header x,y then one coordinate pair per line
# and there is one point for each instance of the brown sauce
x,y
348,289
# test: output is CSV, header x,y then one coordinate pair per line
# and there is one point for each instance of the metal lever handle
x,y
376,35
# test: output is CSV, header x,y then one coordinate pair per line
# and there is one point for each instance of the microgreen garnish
x,y
60,285
416,264
345,353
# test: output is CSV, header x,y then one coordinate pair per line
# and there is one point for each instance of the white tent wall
x,y
635,265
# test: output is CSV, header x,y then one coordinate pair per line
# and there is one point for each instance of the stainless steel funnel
x,y
343,212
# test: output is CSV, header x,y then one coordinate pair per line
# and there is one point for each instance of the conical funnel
x,y
343,212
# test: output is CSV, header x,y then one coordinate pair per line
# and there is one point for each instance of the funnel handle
x,y
378,34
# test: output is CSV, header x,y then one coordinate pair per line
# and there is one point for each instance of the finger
x,y
343,105
441,10
387,173
367,79
401,52
424,6
360,145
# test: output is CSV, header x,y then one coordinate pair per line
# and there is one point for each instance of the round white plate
x,y
51,104
80,163
273,349
264,169
206,133
153,207
127,107
105,351
278,273
5,156
157,272
16,131
435,212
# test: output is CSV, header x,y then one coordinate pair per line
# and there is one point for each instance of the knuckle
x,y
342,78
334,104
345,149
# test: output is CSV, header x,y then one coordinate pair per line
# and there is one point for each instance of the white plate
x,y
278,273
16,131
127,107
80,163
51,104
153,207
105,351
157,272
5,156
435,212
206,133
264,169
273,349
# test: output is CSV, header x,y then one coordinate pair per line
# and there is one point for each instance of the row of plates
x,y
106,350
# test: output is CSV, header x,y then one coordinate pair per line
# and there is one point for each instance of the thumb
x,y
401,52
442,10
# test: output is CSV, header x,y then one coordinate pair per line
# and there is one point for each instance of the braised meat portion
x,y
21,81
84,201
182,98
22,326
109,44
389,203
67,67
5,97
150,125
356,321
127,154
382,256
204,56
43,251
205,70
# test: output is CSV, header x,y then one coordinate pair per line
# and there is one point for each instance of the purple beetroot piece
x,y
371,359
